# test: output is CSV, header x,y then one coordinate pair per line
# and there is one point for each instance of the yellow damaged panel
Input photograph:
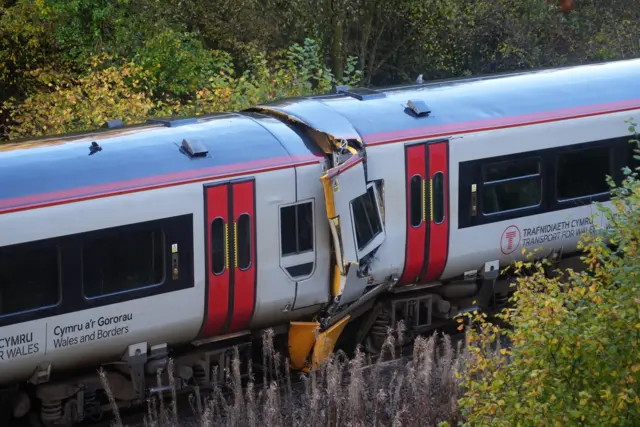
x,y
334,225
326,341
328,195
338,281
301,338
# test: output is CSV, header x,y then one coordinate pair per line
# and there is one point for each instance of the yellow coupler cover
x,y
326,341
302,337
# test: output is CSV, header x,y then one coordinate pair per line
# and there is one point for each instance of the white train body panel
x,y
471,247
88,336
79,338
386,163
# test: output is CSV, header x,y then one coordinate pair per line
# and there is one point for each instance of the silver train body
x,y
183,238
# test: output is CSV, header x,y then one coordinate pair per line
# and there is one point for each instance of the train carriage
x,y
328,215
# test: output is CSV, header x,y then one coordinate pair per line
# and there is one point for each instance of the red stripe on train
x,y
154,182
500,122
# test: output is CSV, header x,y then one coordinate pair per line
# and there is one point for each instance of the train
x,y
325,219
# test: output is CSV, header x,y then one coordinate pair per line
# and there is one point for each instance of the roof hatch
x,y
172,122
360,93
112,124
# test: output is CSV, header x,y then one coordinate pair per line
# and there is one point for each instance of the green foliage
x,y
575,355
71,103
179,63
184,47
187,85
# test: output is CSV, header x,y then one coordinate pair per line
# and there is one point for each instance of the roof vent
x,y
194,148
112,124
418,108
94,148
360,93
173,122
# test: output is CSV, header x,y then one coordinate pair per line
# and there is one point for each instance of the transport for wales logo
x,y
510,239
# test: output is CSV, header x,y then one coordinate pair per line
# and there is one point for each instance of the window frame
x,y
469,174
421,199
290,261
296,205
251,243
444,197
178,229
568,150
225,252
127,291
538,177
379,238
31,245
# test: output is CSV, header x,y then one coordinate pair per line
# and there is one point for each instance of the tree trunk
x,y
334,19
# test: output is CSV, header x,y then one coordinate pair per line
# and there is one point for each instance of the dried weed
x,y
419,390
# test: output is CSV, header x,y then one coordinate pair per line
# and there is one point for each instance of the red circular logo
x,y
510,239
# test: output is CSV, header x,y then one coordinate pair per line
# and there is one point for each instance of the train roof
x,y
468,104
53,170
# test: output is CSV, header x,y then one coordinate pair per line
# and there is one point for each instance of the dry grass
x,y
420,389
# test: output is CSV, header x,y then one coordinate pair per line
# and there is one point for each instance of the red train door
x,y
427,189
231,264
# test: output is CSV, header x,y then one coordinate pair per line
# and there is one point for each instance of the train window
x,y
510,169
438,198
511,185
243,242
366,218
123,262
218,245
583,173
29,278
296,228
415,193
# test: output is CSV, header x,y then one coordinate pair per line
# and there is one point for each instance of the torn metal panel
x,y
321,119
326,341
342,184
352,286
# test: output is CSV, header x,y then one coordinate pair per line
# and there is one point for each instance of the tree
x,y
575,354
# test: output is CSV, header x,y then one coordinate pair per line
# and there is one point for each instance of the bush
x,y
69,103
133,90
575,354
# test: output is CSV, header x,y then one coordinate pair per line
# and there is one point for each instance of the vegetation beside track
x,y
408,385
575,354
71,65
